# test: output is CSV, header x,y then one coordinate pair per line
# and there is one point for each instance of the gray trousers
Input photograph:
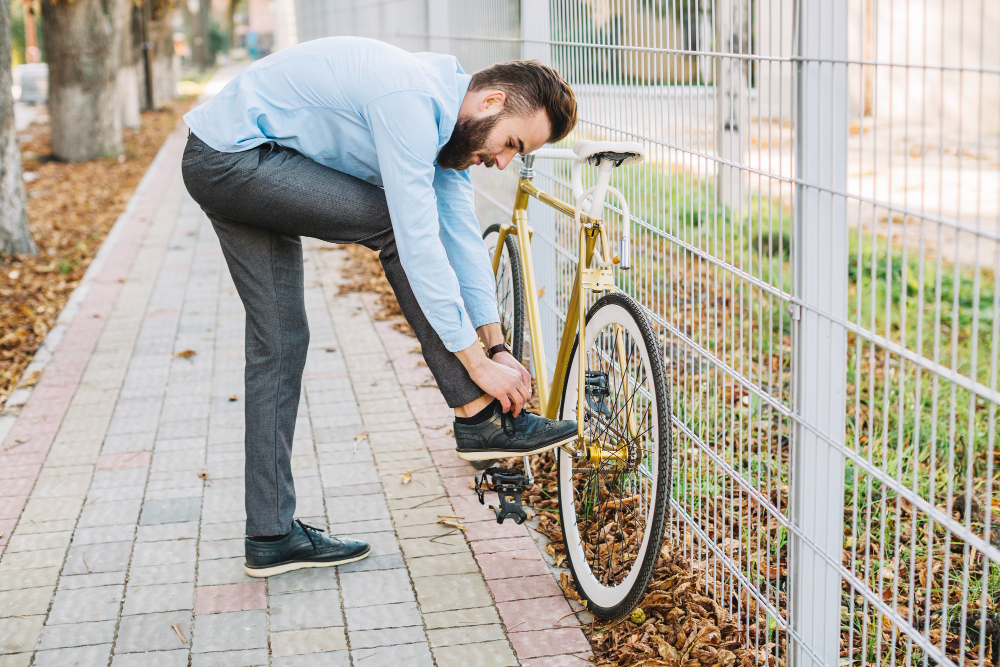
x,y
261,201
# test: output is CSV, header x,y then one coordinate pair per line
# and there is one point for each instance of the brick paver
x,y
121,503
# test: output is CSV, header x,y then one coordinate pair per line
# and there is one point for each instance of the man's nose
x,y
503,160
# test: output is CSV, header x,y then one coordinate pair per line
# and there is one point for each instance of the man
x,y
351,140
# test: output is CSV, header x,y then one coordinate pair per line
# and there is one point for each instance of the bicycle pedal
x,y
509,483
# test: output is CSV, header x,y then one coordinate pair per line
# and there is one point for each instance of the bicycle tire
x,y
612,602
513,328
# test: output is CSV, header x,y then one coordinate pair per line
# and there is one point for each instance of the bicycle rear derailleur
x,y
509,484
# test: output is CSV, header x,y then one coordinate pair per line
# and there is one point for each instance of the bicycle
x,y
614,482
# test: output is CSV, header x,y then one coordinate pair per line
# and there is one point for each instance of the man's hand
x,y
492,334
499,380
507,359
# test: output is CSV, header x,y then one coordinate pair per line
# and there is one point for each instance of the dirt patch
x,y
71,208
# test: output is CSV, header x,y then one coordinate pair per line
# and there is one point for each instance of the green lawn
x,y
911,423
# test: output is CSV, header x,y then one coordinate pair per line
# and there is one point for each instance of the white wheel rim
x,y
597,592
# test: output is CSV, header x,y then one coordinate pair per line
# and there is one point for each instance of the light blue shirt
x,y
378,113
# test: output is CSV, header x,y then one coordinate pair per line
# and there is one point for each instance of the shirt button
x,y
450,343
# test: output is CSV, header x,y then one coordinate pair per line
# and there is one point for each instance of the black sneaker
x,y
502,435
303,547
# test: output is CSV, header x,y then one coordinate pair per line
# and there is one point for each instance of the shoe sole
x,y
486,455
298,565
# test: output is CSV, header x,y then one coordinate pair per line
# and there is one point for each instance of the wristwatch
x,y
496,349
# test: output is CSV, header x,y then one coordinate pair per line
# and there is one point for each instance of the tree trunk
x,y
732,97
160,34
130,77
82,48
197,22
14,234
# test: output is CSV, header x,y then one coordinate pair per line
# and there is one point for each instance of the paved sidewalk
x,y
121,489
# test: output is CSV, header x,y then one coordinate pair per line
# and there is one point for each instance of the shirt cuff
x,y
482,316
457,341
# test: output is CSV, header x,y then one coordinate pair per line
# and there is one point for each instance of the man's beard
x,y
467,141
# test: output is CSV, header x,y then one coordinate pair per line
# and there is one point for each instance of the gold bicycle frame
x,y
587,280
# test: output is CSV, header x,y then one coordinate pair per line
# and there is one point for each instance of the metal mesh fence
x,y
816,235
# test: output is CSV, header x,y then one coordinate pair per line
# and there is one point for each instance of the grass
x,y
913,424
909,421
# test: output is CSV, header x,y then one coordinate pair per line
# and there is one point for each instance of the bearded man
x,y
351,140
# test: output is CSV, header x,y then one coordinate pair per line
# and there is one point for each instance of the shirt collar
x,y
462,83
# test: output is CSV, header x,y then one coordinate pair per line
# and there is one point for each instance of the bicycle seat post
x,y
527,166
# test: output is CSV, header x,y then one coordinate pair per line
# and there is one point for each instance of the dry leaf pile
x,y
682,625
364,274
71,207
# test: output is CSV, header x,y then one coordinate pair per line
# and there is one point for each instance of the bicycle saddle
x,y
620,152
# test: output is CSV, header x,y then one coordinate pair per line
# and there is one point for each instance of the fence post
x,y
820,376
536,33
438,27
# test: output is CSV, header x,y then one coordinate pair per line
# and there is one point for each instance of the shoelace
x,y
508,418
309,530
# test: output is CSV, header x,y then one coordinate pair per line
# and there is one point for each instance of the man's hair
x,y
529,86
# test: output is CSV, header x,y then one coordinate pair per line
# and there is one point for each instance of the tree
x,y
15,236
160,37
731,82
198,21
130,71
82,48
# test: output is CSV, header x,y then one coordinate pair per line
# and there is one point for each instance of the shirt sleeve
x,y
463,241
404,129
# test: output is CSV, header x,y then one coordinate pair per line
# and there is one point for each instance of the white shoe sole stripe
x,y
297,565
486,455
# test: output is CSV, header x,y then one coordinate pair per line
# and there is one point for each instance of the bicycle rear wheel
x,y
614,498
510,299
509,289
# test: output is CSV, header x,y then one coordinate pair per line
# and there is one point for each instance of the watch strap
x,y
496,349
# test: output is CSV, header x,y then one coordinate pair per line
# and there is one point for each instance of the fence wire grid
x,y
816,235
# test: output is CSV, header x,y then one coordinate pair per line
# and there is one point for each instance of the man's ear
x,y
493,102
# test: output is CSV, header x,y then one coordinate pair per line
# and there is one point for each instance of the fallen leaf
x,y
204,475
234,397
331,349
449,432
186,354
453,524
541,291
421,362
361,436
406,477
31,379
